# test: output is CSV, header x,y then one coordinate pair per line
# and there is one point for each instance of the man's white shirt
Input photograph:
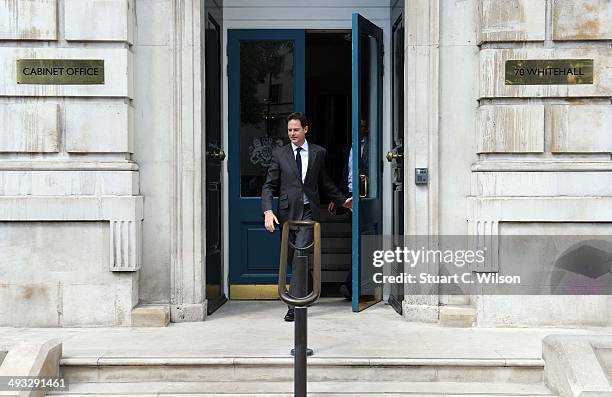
x,y
350,165
304,157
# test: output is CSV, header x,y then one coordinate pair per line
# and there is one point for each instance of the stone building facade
x,y
102,204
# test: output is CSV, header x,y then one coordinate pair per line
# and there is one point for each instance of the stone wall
x,y
543,151
75,159
70,210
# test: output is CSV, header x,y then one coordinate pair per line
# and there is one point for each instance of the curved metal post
x,y
282,274
301,304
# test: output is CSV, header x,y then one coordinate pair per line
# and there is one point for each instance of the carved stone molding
x,y
124,214
486,213
125,246
485,233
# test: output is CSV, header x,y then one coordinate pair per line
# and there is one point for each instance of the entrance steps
x,y
336,246
227,389
243,350
327,376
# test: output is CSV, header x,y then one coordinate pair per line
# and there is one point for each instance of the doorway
x,y
328,106
266,84
269,76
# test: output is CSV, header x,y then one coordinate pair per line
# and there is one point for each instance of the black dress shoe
x,y
290,315
346,292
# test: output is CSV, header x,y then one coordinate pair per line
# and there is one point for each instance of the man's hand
x,y
348,204
270,220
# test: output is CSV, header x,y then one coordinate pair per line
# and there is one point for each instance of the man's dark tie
x,y
298,161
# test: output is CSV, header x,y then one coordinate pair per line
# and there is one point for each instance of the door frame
x,y
276,21
398,20
212,304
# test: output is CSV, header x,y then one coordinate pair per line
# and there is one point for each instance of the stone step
x,y
314,388
334,276
320,369
457,316
336,261
151,316
336,229
336,244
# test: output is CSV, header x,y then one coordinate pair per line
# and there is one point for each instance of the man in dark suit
x,y
297,172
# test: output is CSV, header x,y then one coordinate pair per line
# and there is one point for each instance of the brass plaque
x,y
60,71
549,71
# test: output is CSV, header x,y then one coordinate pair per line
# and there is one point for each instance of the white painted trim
x,y
277,21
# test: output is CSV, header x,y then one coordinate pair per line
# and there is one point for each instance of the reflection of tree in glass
x,y
259,63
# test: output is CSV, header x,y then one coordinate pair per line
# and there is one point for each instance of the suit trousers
x,y
301,237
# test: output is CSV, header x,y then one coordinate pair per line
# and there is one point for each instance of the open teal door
x,y
367,41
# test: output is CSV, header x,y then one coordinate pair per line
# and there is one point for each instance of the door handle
x,y
393,156
364,179
216,155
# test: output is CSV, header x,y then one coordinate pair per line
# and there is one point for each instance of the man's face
x,y
296,133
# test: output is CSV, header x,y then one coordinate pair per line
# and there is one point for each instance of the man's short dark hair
x,y
298,116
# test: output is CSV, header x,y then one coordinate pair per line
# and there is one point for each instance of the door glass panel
x,y
369,114
266,98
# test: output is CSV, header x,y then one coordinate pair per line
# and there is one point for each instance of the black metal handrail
x,y
284,295
300,350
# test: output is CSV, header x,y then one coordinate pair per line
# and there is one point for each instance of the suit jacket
x,y
283,177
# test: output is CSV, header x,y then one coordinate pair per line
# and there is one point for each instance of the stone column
x,y
421,136
187,300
